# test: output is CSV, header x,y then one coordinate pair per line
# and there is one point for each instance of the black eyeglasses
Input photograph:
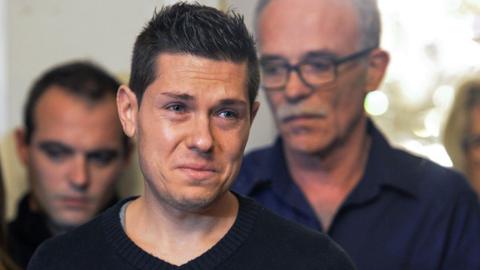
x,y
313,71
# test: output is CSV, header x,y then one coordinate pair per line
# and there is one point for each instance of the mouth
x,y
197,171
73,202
292,118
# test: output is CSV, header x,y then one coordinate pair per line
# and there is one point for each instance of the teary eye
x,y
176,107
228,114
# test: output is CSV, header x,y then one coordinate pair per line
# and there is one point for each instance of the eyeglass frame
x,y
336,61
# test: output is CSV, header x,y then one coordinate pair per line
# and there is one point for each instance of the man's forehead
x,y
60,114
303,7
172,63
182,73
296,27
59,144
57,98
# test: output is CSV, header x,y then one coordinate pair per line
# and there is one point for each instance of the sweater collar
x,y
211,259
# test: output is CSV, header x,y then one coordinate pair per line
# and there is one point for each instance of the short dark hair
x,y
82,79
196,30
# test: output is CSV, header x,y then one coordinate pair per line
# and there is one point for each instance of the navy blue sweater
x,y
258,239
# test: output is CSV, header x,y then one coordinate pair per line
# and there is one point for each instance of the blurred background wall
x,y
3,65
432,46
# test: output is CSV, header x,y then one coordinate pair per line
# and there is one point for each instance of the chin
x,y
190,204
73,220
307,144
194,202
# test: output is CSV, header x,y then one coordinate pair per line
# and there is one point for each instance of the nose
x,y
200,135
78,177
296,89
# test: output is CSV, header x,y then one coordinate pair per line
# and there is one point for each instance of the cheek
x,y
103,179
233,144
158,133
472,156
46,174
348,100
275,100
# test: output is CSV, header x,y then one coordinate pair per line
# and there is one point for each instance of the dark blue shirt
x,y
405,213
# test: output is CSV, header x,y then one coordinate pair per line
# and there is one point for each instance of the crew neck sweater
x,y
258,239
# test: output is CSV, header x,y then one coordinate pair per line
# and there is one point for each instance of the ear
x,y
377,65
127,107
255,107
21,145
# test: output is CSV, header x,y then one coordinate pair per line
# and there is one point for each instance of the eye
x,y
55,152
273,69
176,107
316,66
228,114
102,158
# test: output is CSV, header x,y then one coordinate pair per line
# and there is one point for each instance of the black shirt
x,y
28,231
258,240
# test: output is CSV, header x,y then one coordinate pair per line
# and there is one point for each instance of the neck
x,y
53,227
178,236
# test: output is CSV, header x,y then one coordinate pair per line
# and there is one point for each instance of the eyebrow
x,y
231,101
47,145
320,53
182,96
324,53
187,97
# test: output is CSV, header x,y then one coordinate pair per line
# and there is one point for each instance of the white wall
x,y
44,33
3,69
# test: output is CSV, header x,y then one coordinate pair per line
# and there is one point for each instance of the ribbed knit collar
x,y
220,252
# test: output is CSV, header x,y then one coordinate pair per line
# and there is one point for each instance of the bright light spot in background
x,y
443,96
376,103
432,123
435,152
476,29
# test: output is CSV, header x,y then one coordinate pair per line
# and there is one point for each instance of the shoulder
x,y
291,243
428,178
415,175
258,158
82,248
68,250
255,166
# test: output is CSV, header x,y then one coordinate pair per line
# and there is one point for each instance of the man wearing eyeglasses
x,y
332,169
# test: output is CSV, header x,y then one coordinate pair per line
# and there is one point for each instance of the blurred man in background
x,y
332,169
74,149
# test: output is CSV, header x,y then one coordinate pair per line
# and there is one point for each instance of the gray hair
x,y
368,14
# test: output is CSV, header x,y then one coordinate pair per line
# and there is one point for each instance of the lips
x,y
198,171
75,202
290,118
